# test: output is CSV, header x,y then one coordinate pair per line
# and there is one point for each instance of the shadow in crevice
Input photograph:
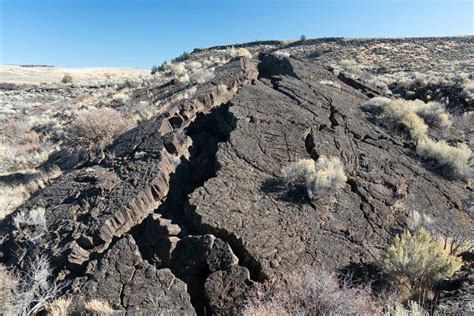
x,y
362,274
206,132
292,193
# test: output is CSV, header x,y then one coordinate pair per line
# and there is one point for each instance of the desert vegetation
x,y
96,128
310,291
28,293
415,263
67,78
412,267
415,118
321,178
405,276
237,52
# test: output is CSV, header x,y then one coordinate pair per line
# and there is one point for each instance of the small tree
x,y
303,38
155,69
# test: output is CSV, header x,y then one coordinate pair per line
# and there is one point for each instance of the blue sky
x,y
140,33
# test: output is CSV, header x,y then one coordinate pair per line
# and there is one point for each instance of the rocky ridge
x,y
185,212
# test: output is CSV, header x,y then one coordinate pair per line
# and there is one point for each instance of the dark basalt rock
x,y
290,116
226,290
128,283
200,189
98,201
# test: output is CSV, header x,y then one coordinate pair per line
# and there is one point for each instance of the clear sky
x,y
140,33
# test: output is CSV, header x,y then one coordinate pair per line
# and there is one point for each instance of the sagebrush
x,y
96,128
415,263
310,291
321,178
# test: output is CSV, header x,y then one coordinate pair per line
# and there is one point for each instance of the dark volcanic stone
x,y
226,290
127,282
288,115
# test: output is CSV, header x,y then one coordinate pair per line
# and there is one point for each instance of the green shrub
x,y
67,78
416,263
184,56
318,51
155,69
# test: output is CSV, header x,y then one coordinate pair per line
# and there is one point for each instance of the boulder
x,y
128,283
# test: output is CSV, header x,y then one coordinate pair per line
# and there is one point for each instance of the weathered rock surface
x,y
226,290
128,283
200,189
97,201
289,115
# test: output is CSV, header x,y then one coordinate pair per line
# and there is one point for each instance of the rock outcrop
x,y
185,212
128,283
288,115
98,201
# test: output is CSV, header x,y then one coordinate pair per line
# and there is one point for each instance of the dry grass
x,y
96,128
59,307
38,75
100,307
456,158
12,196
30,292
415,116
397,309
7,285
237,52
310,292
348,67
331,83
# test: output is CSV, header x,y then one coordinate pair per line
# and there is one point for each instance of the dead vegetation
x,y
28,293
310,291
96,128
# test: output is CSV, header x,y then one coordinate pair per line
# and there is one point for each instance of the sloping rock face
x,y
123,278
100,200
184,213
288,115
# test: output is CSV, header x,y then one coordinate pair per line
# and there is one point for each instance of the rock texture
x,y
184,213
128,283
98,201
286,116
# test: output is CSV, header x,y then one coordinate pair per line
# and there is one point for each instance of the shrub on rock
x,y
455,158
321,178
310,292
416,117
239,52
96,128
415,263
